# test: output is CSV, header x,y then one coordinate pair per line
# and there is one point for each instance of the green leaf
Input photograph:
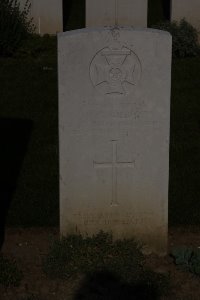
x,y
182,255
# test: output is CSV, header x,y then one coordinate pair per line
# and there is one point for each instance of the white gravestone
x,y
116,12
114,114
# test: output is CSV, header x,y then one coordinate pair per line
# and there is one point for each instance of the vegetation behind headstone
x,y
184,38
15,25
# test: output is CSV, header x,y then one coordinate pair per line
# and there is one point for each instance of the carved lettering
x,y
106,219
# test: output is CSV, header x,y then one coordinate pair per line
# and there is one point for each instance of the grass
x,y
100,258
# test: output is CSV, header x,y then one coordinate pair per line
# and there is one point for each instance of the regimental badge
x,y
115,70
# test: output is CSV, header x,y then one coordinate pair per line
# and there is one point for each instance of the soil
x,y
29,246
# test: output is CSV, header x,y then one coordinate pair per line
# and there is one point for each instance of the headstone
x,y
116,12
114,114
46,14
190,10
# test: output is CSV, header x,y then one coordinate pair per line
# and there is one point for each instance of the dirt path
x,y
29,246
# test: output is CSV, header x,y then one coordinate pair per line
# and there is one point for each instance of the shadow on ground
x,y
14,137
107,286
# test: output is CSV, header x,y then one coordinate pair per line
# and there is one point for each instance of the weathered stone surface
x,y
116,12
190,10
114,114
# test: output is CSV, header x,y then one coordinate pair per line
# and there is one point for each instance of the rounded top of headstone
x,y
112,28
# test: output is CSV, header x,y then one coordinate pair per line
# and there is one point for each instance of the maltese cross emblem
x,y
113,71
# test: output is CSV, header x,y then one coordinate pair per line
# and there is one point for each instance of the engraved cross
x,y
114,165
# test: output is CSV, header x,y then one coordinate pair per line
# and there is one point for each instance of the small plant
x,y
10,275
184,38
15,25
75,255
187,259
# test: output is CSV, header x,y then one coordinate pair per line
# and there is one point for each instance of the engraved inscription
x,y
104,219
114,71
114,165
